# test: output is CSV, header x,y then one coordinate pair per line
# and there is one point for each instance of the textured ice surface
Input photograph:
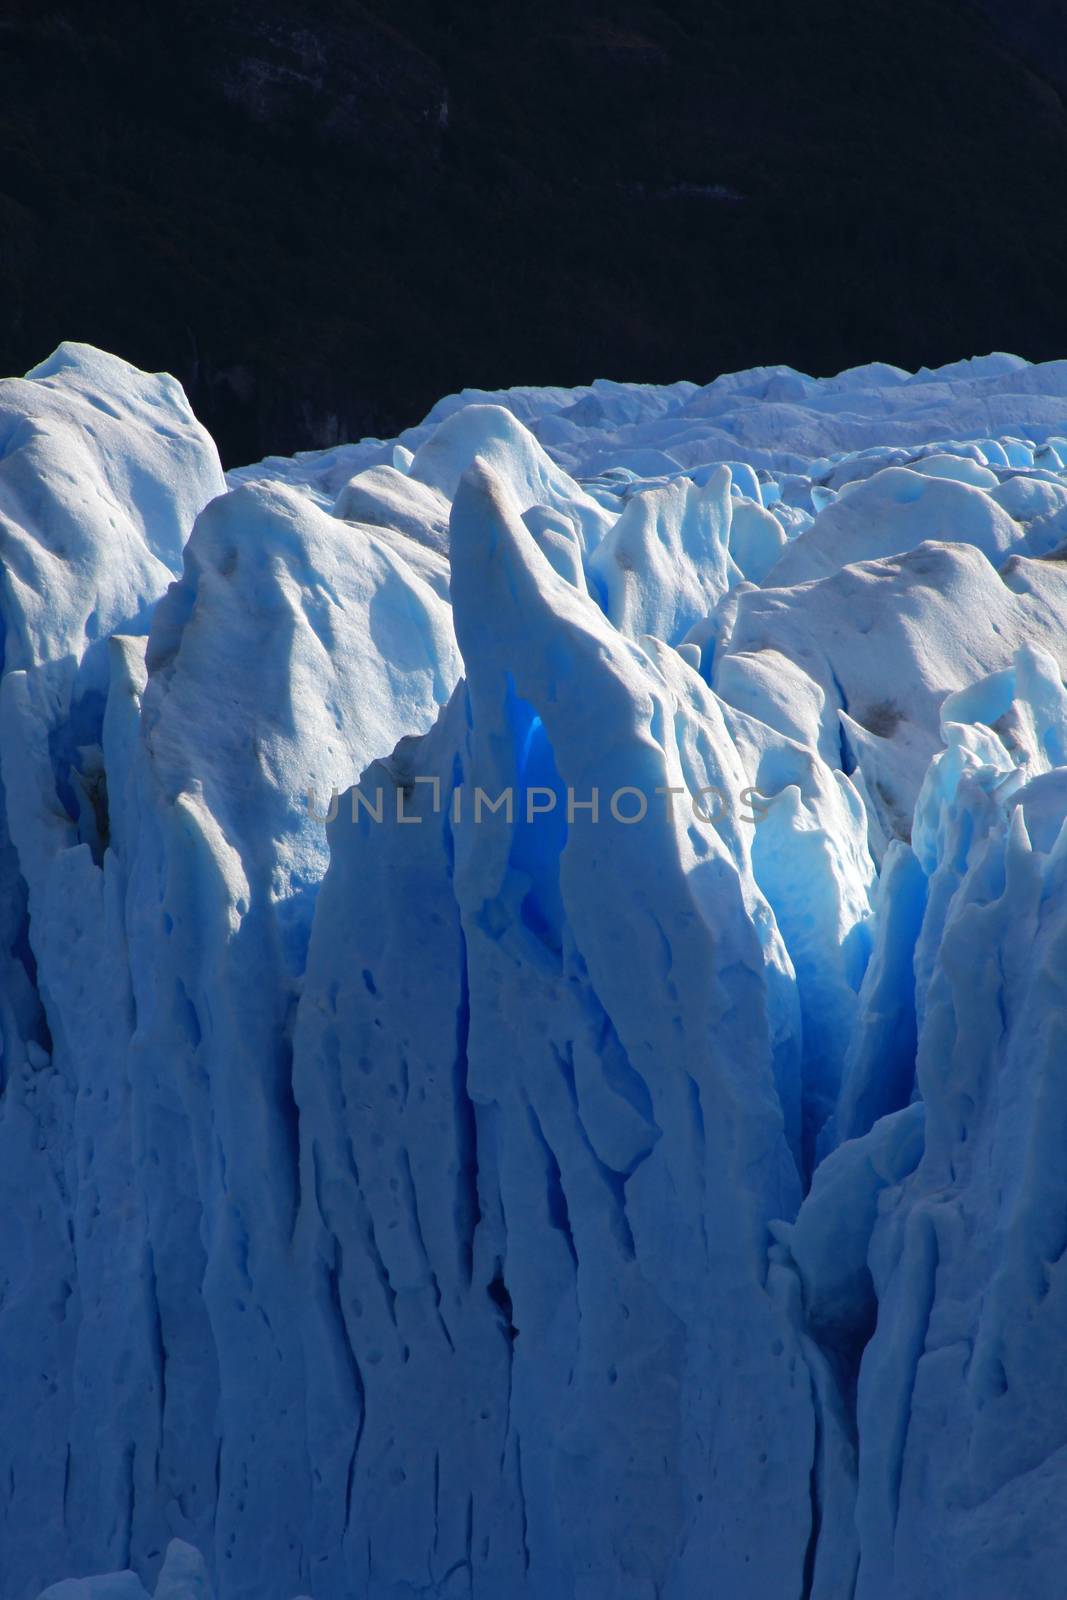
x,y
408,1193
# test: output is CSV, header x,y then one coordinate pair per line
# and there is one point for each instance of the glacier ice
x,y
532,994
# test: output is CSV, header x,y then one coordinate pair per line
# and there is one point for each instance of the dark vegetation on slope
x,y
322,216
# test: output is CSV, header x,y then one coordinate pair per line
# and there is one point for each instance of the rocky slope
x,y
320,221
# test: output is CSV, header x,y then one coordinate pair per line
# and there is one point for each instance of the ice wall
x,y
441,1156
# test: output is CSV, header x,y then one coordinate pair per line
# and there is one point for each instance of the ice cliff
x,y
533,995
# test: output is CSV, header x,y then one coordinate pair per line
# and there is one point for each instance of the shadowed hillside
x,y
323,217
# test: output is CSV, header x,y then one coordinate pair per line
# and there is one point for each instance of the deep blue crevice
x,y
538,839
848,765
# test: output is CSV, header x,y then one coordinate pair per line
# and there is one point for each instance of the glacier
x,y
533,994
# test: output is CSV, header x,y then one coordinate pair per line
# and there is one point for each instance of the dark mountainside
x,y
322,217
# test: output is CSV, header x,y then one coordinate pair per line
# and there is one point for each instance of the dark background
x,y
323,216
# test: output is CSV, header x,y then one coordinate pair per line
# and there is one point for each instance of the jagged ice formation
x,y
409,1190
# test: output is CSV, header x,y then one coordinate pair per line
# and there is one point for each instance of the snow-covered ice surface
x,y
408,1193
